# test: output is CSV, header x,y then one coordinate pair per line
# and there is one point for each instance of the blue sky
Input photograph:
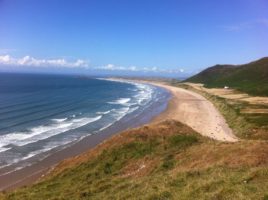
x,y
171,37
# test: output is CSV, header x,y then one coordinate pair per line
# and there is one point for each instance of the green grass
x,y
258,119
213,183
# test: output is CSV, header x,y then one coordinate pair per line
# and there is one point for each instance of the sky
x,y
133,37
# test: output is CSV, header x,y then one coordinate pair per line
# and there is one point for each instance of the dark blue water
x,y
39,113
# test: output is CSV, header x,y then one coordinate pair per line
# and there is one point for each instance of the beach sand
x,y
197,112
184,106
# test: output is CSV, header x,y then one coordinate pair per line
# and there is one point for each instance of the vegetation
x,y
162,161
251,78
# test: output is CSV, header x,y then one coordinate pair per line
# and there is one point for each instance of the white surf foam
x,y
133,109
121,101
43,132
103,113
145,91
2,149
144,94
120,113
59,120
106,126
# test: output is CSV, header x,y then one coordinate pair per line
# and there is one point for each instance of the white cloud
x,y
31,61
112,67
8,60
5,59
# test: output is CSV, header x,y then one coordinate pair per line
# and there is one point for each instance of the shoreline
x,y
194,110
31,174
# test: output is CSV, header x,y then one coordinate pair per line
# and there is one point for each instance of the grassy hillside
x,y
251,78
163,161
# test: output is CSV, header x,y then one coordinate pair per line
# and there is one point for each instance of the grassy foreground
x,y
162,161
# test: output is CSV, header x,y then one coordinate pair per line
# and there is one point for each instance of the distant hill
x,y
251,78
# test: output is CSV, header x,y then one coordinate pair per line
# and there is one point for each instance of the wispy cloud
x,y
246,25
34,62
112,67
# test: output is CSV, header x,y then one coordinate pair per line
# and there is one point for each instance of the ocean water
x,y
42,113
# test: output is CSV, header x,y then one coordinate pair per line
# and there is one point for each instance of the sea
x,y
41,114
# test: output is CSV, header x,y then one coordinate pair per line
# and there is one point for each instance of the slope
x,y
251,78
167,160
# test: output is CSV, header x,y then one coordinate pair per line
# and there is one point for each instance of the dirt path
x,y
197,112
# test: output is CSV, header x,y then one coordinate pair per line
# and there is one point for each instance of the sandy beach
x,y
197,112
185,106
